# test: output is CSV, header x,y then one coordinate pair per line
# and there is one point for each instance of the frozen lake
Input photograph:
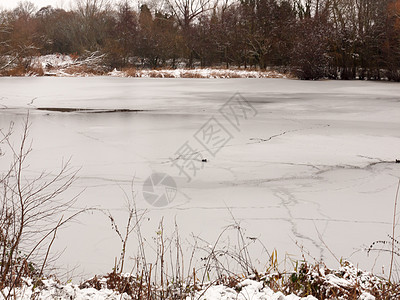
x,y
307,159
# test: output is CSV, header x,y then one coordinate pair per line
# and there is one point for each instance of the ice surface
x,y
316,162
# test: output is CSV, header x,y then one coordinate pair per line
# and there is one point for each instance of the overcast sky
x,y
66,4
39,3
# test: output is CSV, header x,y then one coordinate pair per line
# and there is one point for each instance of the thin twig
x,y
393,230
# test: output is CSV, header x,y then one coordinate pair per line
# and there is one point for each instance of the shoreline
x,y
57,65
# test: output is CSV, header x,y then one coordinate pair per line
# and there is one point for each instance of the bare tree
x,y
31,211
5,30
93,16
186,11
25,9
90,8
17,37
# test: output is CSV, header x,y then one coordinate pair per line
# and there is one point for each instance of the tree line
x,y
340,39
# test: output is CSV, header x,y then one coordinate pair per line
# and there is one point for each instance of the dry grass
x,y
154,74
228,262
14,71
84,70
130,72
202,73
92,67
20,70
192,74
36,71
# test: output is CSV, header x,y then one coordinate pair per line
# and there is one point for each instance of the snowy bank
x,y
198,73
308,282
66,66
50,289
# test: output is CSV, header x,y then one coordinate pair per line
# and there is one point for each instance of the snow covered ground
x,y
250,290
338,284
314,164
53,61
66,66
199,73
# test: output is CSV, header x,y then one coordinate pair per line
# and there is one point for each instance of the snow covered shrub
x,y
347,282
117,282
130,72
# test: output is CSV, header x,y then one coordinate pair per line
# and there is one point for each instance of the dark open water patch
x,y
89,111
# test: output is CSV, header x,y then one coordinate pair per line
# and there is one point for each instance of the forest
x,y
313,39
